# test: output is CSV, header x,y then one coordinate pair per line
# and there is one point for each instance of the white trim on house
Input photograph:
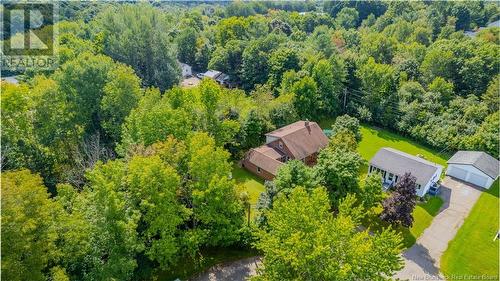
x,y
390,178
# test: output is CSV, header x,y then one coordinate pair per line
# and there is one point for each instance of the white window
x,y
258,170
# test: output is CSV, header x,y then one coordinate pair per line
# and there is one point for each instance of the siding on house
x,y
476,167
469,173
301,140
393,164
257,171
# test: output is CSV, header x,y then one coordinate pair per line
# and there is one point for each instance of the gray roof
x,y
481,160
11,79
212,74
494,24
399,163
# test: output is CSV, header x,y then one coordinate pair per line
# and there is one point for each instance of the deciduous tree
x,y
305,241
338,171
398,207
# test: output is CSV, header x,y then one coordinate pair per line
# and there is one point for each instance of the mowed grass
x,y
423,215
473,251
374,139
250,183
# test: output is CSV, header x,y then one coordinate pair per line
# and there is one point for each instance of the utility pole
x,y
248,213
345,98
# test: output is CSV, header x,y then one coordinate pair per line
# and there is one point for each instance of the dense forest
x,y
108,165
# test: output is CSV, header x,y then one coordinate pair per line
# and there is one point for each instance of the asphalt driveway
x,y
237,270
422,259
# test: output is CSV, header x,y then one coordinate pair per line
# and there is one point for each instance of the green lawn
x,y
423,215
473,251
376,138
250,182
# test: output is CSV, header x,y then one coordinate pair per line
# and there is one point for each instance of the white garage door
x,y
457,172
478,180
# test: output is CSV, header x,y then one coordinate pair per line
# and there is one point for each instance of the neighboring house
x,y
221,78
494,24
11,79
212,74
301,140
186,70
473,33
474,167
392,164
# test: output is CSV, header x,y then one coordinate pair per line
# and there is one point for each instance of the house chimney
x,y
307,122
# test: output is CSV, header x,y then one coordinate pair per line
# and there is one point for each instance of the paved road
x,y
422,259
234,271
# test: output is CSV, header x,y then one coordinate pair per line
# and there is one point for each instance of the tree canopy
x,y
111,170
301,224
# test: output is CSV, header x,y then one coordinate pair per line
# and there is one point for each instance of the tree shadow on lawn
x,y
186,267
434,204
374,224
383,133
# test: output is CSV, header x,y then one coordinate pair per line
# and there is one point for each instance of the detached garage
x,y
474,167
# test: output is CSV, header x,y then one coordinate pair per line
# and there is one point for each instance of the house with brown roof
x,y
301,140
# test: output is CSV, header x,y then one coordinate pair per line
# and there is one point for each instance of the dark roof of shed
x,y
481,160
399,163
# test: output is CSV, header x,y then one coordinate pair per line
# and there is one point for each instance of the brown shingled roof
x,y
303,138
265,157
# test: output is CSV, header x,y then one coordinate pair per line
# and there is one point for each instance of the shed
x,y
475,167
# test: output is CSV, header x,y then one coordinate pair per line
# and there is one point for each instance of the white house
x,y
212,74
474,167
392,164
186,70
221,78
11,79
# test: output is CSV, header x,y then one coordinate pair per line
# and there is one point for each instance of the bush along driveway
x,y
423,258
